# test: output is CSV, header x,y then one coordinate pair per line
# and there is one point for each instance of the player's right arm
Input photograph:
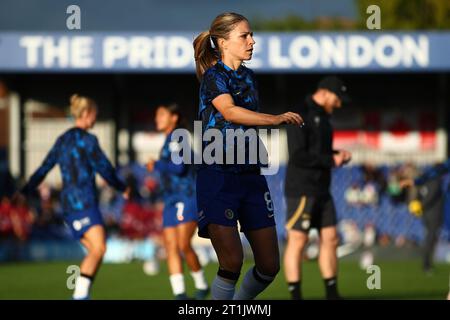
x,y
218,93
39,175
238,115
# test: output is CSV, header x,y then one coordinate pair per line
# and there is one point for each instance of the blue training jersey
x,y
241,85
177,180
79,157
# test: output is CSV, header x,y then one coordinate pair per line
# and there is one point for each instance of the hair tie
x,y
212,42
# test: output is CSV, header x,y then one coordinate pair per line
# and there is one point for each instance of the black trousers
x,y
433,219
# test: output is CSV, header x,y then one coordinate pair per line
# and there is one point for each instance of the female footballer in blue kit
x,y
180,208
80,157
228,193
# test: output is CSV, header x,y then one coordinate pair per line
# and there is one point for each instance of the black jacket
x,y
432,198
310,153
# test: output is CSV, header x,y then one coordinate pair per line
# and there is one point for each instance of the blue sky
x,y
169,15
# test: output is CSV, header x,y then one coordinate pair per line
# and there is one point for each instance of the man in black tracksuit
x,y
432,197
307,186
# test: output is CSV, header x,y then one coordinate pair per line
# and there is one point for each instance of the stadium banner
x,y
391,136
391,130
154,52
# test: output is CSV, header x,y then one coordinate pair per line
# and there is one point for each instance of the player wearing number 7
x,y
180,208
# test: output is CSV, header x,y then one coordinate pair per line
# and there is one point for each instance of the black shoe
x,y
201,294
182,296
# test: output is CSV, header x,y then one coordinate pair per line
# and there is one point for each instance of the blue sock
x,y
222,289
253,284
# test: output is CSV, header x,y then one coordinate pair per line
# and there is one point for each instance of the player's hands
x,y
406,183
126,193
338,159
288,118
347,156
151,165
341,157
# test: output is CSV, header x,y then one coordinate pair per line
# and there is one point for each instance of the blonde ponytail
x,y
79,104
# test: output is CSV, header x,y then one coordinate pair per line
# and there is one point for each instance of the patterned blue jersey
x,y
177,180
79,157
241,85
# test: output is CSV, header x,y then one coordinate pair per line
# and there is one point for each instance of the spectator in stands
x,y
22,219
353,195
374,184
48,222
394,190
136,222
5,219
372,174
369,194
365,196
15,219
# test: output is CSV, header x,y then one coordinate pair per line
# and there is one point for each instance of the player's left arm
x,y
103,166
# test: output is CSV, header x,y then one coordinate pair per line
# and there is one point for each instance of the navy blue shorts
x,y
79,222
179,211
224,198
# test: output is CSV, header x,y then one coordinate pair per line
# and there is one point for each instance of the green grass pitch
x,y
399,280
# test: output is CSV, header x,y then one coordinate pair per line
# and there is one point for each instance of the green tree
x,y
408,14
395,15
295,23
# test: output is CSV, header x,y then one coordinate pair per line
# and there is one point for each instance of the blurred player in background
x,y
228,193
307,186
80,157
432,199
180,207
